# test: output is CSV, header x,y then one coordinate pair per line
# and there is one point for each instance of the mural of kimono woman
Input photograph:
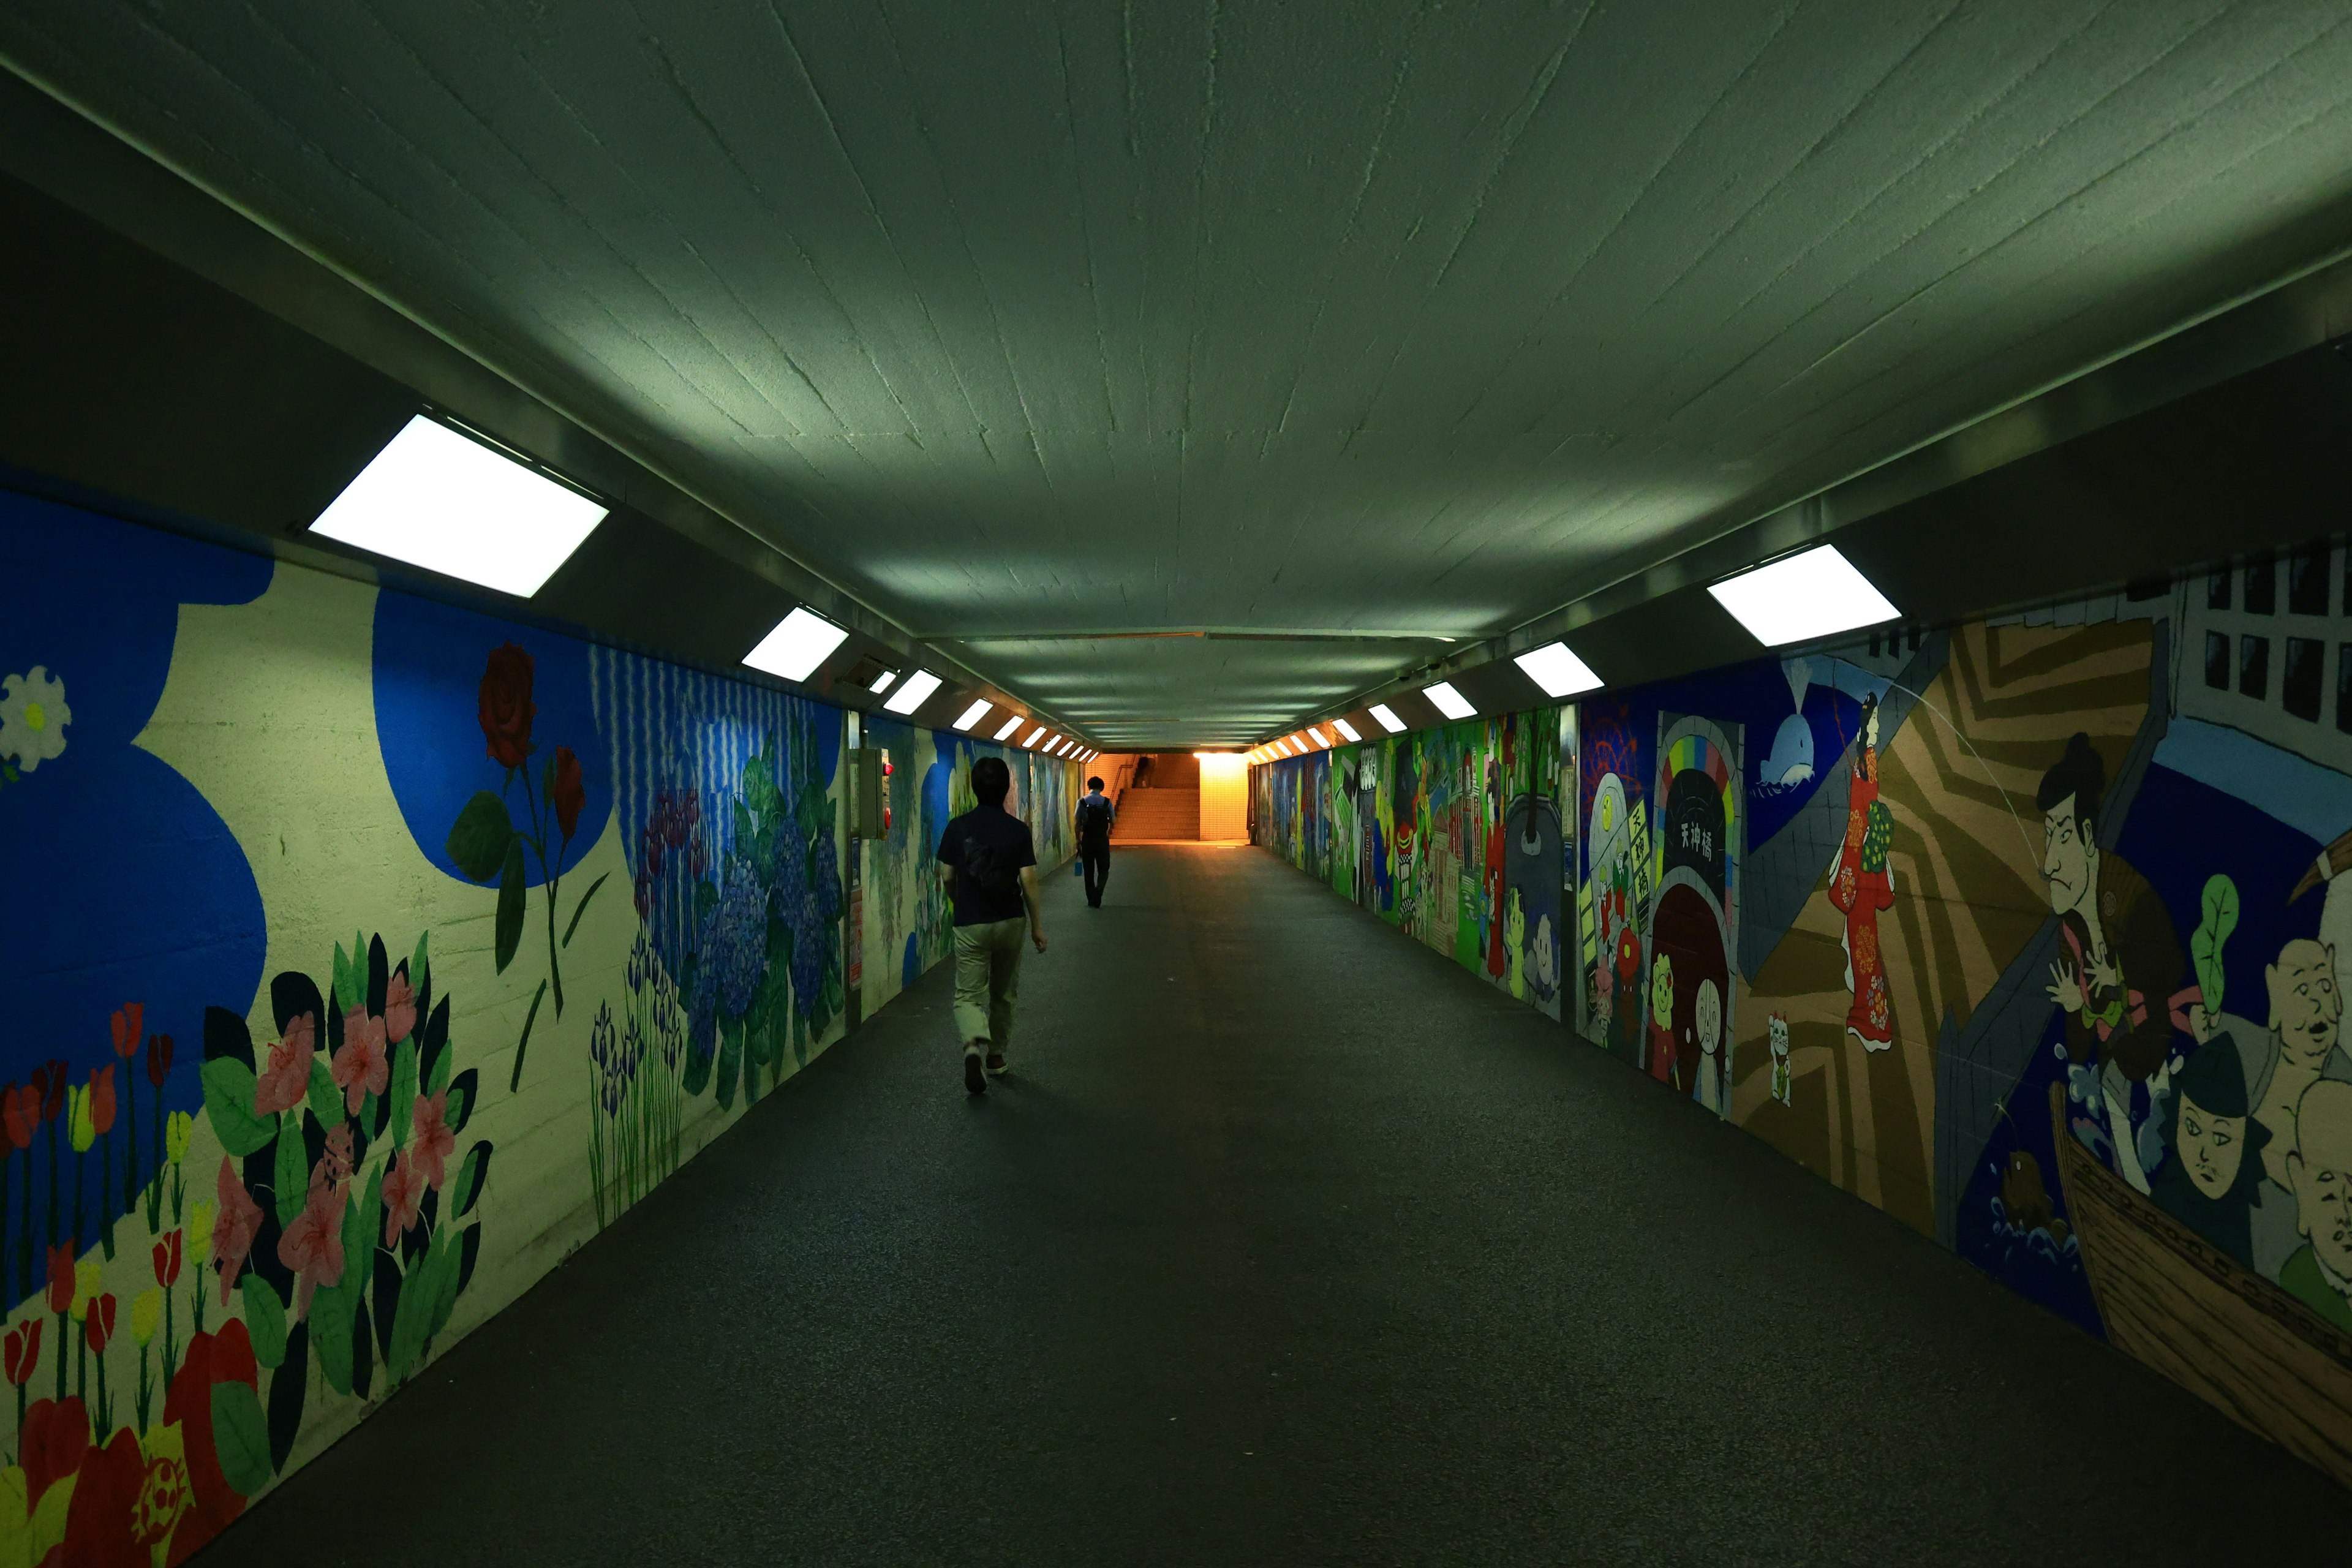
x,y
1861,883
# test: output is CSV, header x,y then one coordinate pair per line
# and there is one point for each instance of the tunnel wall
x,y
1862,904
907,925
365,955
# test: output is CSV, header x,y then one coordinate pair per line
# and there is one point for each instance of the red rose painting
x,y
505,706
568,792
496,832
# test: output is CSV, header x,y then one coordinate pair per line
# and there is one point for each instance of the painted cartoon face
x,y
1707,1016
2212,1147
1515,923
1779,1026
2321,1171
1871,729
2305,1007
1662,989
2066,858
1540,954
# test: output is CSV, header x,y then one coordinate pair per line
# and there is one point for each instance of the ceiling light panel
x,y
438,499
1009,725
971,714
1035,735
1815,592
799,642
913,693
1448,701
882,681
1556,670
1387,716
1346,729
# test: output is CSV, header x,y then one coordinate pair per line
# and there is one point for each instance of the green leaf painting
x,y
292,1170
521,1045
333,1318
479,843
468,1186
581,907
731,1060
510,904
265,1320
326,1099
2218,917
241,1436
229,1101
404,1089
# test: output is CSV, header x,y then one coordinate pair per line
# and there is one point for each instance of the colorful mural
x,y
321,897
1453,834
908,926
2029,933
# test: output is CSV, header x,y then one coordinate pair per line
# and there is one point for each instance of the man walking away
x,y
1094,814
989,867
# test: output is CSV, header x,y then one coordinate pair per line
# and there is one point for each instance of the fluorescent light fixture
x,y
1814,594
1346,729
1448,701
1321,739
798,644
1387,716
913,693
1009,725
1050,740
437,497
971,714
882,681
1033,734
1557,669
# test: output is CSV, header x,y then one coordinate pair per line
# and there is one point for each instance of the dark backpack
x,y
1094,818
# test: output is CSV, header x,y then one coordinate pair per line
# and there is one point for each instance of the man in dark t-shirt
x,y
988,867
1093,820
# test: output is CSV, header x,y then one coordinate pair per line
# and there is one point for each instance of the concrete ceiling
x,y
1363,324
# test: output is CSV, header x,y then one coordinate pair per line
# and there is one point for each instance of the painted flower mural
x,y
33,719
319,1143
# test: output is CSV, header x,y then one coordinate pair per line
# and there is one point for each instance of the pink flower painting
x,y
434,1142
360,1067
404,1193
287,1079
313,1246
233,1230
399,1007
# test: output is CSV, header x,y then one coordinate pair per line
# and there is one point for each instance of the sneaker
x,y
996,1068
973,1083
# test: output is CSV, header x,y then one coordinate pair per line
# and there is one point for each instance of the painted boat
x,y
2173,1300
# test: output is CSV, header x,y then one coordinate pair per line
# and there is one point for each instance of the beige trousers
x,y
988,981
